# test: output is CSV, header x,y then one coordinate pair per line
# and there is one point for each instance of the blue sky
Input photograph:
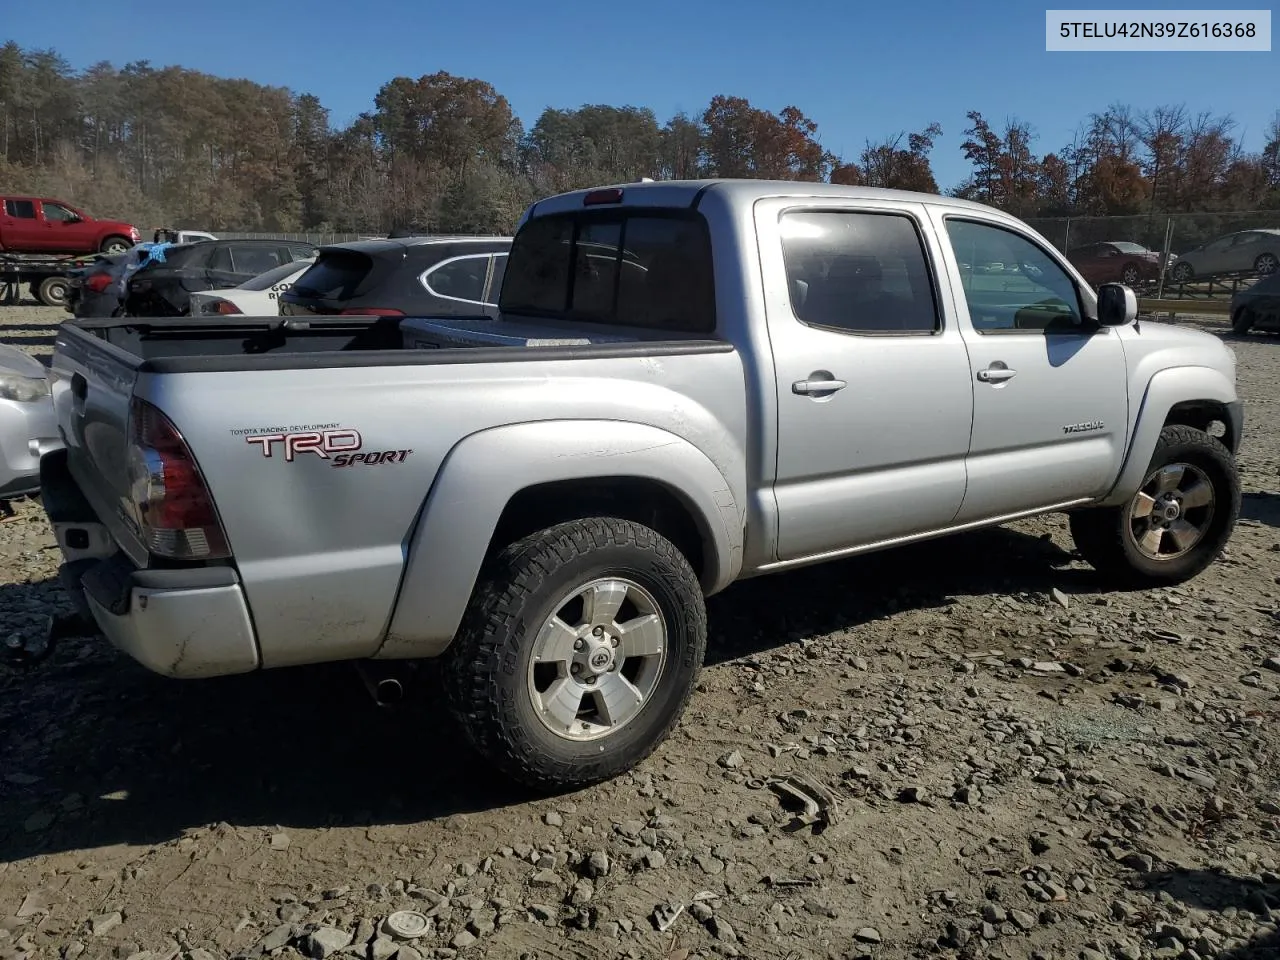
x,y
860,70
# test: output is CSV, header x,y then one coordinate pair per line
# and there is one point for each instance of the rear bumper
x,y
27,432
185,623
178,623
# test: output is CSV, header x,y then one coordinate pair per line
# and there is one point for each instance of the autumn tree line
x,y
176,147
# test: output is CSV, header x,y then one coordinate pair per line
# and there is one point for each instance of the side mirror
x,y
1117,305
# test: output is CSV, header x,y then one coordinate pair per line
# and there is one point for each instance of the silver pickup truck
x,y
690,383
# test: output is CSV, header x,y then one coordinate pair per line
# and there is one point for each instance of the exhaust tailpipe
x,y
385,682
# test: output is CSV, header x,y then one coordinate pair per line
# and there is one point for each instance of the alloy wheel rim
x,y
1172,512
597,659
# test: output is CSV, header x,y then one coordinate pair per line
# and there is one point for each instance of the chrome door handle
x,y
804,387
996,374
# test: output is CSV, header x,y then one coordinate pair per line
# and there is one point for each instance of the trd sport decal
x,y
342,448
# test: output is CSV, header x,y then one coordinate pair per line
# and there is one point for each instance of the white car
x,y
28,427
253,298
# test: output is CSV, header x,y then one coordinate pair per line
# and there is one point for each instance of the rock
x,y
407,952
199,954
1022,919
1049,666
1272,663
545,878
860,664
597,864
324,942
553,819
38,821
383,948
732,761
720,929
700,911
542,912
292,913
993,913
104,923
1140,862
582,893
916,794
709,864
277,938
463,939
867,935
1060,597
279,841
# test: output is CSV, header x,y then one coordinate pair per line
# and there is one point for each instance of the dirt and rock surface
x,y
1009,760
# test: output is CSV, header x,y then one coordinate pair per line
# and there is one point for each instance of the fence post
x,y
1066,237
1164,255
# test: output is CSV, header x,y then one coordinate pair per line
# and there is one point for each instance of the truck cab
x,y
44,225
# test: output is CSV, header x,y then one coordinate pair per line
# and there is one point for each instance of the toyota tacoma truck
x,y
688,384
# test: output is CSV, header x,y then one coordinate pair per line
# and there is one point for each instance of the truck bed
x,y
208,345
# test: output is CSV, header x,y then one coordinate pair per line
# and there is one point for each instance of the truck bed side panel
x,y
321,546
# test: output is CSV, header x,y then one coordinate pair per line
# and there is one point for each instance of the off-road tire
x,y
1242,322
1101,536
53,291
487,666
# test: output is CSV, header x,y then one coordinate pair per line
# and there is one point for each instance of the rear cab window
x,y
20,209
643,268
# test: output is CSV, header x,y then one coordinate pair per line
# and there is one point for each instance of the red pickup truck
x,y
37,225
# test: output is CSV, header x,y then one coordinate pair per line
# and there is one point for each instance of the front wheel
x,y
114,245
1266,264
1129,276
1177,523
578,653
1183,272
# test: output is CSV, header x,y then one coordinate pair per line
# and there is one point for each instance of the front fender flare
x,y
1166,390
485,470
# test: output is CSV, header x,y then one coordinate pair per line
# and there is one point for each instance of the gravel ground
x,y
1010,762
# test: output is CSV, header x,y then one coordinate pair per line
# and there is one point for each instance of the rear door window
x,y
254,259
20,209
640,269
335,276
460,278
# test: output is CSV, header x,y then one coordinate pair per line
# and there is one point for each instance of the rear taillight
x,y
170,498
372,312
98,282
226,308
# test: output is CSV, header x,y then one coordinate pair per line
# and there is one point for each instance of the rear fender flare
x,y
1167,389
485,470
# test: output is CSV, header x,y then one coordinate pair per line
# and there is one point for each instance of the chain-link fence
x,y
1198,254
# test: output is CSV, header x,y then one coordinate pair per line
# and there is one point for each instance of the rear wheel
x,y
53,291
1183,272
1177,523
1129,275
1242,321
578,653
113,245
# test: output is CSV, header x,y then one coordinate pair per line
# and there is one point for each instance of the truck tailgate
x,y
92,386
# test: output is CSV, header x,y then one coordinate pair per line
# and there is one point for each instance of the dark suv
x,y
163,288
410,277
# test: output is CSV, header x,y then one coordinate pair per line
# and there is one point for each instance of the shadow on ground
x,y
306,747
1262,507
1217,891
